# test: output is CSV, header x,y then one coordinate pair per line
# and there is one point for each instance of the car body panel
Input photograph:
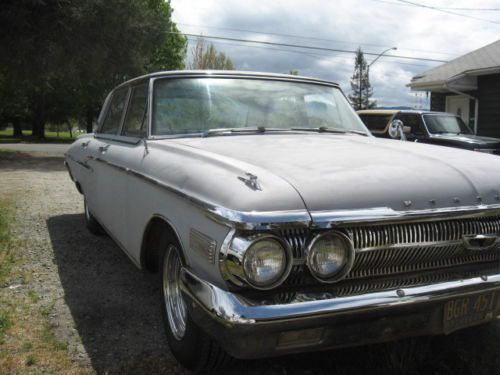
x,y
325,169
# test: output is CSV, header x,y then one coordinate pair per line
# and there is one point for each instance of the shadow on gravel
x,y
17,161
116,311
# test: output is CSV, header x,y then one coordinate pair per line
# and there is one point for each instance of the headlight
x,y
330,256
266,263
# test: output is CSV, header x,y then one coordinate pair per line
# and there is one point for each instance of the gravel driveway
x,y
108,311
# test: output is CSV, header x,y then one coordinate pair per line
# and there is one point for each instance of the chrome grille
x,y
390,249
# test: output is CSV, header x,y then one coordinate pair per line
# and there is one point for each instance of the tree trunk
x,y
38,125
89,120
18,132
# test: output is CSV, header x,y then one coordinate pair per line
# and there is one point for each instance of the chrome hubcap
x,y
175,305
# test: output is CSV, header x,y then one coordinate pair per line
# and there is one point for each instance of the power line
x,y
446,11
309,54
307,37
305,47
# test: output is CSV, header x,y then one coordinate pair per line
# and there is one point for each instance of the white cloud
x,y
375,25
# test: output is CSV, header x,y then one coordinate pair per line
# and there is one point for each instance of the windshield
x,y
441,124
198,105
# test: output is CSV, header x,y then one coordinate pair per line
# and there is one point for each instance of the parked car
x,y
439,128
278,224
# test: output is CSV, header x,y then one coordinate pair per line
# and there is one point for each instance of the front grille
x,y
386,250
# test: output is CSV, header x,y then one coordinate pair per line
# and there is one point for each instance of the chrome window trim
x,y
239,75
118,138
134,87
125,109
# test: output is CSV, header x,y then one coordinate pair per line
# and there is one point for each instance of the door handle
x,y
103,149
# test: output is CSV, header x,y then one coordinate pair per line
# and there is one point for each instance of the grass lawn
x,y
27,342
7,136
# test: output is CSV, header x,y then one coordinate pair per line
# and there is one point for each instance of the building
x,y
468,86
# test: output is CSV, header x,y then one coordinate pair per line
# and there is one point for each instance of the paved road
x,y
48,148
108,311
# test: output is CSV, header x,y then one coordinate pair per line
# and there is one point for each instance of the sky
x,y
373,25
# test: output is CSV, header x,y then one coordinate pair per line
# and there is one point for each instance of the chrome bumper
x,y
389,314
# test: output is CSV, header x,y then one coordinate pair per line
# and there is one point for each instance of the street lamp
x,y
382,54
370,64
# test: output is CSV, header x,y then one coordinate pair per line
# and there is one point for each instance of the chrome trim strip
x,y
230,309
320,219
327,219
240,219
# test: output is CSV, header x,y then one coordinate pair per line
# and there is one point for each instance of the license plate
x,y
468,311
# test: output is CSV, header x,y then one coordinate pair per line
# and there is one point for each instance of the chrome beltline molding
x,y
229,309
321,219
233,218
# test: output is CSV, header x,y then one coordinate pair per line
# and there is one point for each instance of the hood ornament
x,y
479,242
251,181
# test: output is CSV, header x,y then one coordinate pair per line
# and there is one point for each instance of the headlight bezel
x,y
347,265
235,251
287,265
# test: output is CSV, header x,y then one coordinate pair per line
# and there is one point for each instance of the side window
x,y
414,122
114,116
134,125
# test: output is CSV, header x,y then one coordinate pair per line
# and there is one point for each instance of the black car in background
x,y
437,128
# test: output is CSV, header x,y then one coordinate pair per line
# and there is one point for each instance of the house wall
x,y
489,105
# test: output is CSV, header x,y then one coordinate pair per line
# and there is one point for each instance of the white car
x,y
278,224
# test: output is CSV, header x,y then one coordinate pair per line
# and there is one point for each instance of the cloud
x,y
342,24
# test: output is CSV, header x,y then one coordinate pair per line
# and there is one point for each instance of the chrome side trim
x,y
239,219
230,309
252,220
327,219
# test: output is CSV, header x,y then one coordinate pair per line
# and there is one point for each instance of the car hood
x,y
336,172
470,140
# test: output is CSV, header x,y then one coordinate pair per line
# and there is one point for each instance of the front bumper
x,y
246,329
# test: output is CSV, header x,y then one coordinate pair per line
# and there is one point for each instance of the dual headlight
x,y
330,256
265,261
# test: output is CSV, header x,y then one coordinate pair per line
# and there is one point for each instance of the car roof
x,y
226,73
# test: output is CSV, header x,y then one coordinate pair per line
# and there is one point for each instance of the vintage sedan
x,y
277,223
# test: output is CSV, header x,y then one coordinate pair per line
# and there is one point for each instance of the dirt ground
x,y
107,311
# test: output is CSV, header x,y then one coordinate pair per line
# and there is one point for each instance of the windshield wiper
x,y
249,130
324,129
223,131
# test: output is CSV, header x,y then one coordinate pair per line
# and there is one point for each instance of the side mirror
x,y
397,130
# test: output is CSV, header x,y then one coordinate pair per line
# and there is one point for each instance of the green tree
x,y
65,55
205,56
360,84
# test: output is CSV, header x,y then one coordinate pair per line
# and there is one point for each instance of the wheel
x,y
193,348
92,225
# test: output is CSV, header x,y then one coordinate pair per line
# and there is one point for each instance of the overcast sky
x,y
345,24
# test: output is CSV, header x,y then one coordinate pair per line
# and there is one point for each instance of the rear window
x,y
376,122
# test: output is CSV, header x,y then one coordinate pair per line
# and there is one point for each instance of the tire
x,y
192,347
92,225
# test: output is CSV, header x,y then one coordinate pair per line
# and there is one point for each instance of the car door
x,y
109,176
